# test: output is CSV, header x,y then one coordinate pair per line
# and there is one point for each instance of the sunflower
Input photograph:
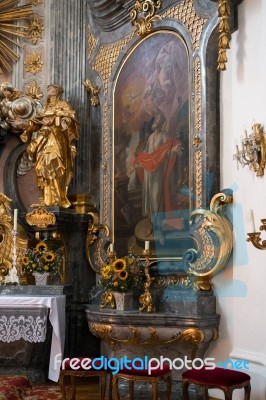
x,y
44,257
120,276
119,265
49,257
25,260
106,271
123,275
41,246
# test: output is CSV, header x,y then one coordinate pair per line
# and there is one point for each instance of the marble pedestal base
x,y
182,328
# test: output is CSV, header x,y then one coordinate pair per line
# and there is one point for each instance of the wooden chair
x,y
226,380
132,375
83,373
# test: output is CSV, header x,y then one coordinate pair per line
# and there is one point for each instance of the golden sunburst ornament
x,y
10,13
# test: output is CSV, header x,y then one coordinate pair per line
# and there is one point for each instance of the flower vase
x,y
123,301
41,278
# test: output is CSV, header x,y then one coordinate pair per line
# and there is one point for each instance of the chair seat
x,y
218,377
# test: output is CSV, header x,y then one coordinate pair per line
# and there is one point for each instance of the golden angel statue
x,y
51,135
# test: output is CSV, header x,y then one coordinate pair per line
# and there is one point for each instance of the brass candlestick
x,y
107,298
255,238
145,298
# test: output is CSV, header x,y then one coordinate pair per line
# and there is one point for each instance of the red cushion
x,y
78,364
215,377
157,371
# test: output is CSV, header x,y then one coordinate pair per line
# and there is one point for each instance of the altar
x,y
38,329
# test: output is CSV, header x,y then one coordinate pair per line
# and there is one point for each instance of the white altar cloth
x,y
56,304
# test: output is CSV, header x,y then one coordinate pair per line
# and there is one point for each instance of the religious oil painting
x,y
151,173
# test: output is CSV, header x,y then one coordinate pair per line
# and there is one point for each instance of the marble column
x,y
67,67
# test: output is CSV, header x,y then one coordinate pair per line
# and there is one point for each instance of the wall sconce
x,y
255,239
253,150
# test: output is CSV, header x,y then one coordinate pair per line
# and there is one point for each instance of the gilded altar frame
x,y
197,27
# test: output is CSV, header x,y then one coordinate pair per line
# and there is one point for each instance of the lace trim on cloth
x,y
15,326
30,329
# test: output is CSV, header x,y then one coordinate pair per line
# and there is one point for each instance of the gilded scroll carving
x,y
143,15
135,336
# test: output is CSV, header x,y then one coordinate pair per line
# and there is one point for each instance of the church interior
x,y
132,165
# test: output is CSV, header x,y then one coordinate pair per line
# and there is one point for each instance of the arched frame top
x,y
171,233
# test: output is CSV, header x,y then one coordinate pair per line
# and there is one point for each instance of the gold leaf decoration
x,y
10,32
143,15
35,28
34,91
33,62
35,2
224,33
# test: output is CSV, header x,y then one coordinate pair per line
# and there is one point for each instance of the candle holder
x,y
145,299
12,276
255,238
111,255
253,150
107,298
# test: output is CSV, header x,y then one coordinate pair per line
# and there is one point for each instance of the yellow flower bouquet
x,y
42,258
122,275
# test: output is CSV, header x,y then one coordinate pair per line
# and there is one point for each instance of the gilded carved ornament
x,y
34,91
186,13
41,218
212,232
33,62
94,90
97,238
35,28
136,336
6,238
224,33
213,256
11,31
35,2
143,15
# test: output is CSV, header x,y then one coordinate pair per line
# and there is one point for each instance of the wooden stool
x,y
218,378
83,373
133,374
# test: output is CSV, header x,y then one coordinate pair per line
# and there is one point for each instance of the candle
x,y
15,226
147,245
252,221
111,248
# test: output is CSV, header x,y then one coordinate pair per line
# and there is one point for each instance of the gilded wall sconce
x,y
253,150
255,238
